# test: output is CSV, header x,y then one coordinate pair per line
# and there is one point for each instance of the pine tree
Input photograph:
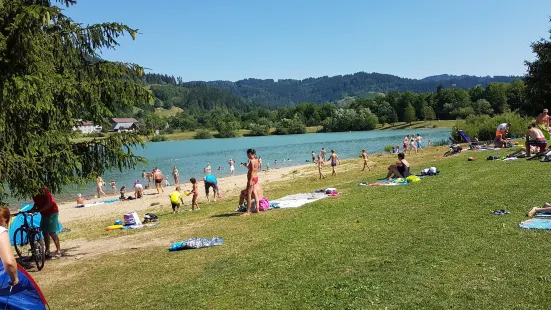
x,y
50,75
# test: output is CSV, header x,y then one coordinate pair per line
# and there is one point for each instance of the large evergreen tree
x,y
50,75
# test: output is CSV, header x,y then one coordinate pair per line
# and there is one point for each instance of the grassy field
x,y
167,113
421,124
429,245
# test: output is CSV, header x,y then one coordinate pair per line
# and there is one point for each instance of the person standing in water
x,y
365,158
405,143
176,175
232,167
313,157
260,163
158,177
334,160
252,179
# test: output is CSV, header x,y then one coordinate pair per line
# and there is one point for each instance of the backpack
x,y
150,217
264,204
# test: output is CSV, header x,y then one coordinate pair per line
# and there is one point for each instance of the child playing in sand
x,y
365,157
195,192
175,199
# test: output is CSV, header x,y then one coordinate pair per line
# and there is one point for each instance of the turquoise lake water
x,y
191,156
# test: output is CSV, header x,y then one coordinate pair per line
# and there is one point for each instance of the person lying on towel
x,y
400,169
546,209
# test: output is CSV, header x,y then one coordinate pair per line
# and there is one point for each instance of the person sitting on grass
x,y
80,201
400,169
535,137
546,209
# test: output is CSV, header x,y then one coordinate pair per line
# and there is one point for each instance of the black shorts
x,y
175,205
209,185
159,181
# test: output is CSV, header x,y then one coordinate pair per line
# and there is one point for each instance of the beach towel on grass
x,y
297,200
536,223
543,214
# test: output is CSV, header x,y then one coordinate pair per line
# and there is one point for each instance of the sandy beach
x,y
229,187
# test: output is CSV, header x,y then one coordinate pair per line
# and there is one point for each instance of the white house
x,y
86,127
123,124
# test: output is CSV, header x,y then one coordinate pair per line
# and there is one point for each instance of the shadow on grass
x,y
229,214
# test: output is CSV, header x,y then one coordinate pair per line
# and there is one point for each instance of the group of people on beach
x,y
321,158
411,143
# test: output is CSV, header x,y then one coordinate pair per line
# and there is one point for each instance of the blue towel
x,y
536,223
543,214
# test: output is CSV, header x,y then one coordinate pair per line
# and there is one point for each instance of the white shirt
x,y
3,229
502,126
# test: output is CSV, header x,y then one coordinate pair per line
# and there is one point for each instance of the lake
x,y
192,156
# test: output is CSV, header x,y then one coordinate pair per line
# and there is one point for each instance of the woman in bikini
x,y
413,144
176,175
100,183
400,169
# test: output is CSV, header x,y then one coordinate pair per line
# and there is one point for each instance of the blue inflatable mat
x,y
536,223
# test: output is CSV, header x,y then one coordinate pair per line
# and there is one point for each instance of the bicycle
x,y
28,241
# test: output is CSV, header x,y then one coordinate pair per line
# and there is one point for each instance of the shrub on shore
x,y
484,127
203,134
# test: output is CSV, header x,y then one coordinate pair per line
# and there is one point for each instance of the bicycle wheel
x,y
21,243
38,250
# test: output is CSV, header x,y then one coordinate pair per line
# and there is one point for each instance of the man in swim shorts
x,y
334,160
49,225
323,153
158,177
534,136
211,181
419,141
252,178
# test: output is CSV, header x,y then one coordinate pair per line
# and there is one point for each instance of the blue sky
x,y
232,40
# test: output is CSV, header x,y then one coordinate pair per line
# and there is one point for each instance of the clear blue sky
x,y
232,40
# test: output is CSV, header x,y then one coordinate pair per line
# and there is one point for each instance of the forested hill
x,y
289,92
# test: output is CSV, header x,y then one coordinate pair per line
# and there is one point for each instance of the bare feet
x,y
532,212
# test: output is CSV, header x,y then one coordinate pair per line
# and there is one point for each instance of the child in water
x,y
195,192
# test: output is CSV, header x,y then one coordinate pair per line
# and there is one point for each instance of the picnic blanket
x,y
536,223
296,200
393,182
196,243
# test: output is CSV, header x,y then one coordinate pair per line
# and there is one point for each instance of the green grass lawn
x,y
429,245
421,124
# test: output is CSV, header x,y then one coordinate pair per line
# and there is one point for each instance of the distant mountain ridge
x,y
289,92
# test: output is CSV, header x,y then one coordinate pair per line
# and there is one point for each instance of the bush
x,y
203,134
258,130
351,120
388,148
158,138
167,131
484,127
434,126
290,126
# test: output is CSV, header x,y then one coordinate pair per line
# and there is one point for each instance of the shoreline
x,y
229,186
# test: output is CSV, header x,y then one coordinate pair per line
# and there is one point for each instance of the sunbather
x,y
400,169
535,137
546,209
